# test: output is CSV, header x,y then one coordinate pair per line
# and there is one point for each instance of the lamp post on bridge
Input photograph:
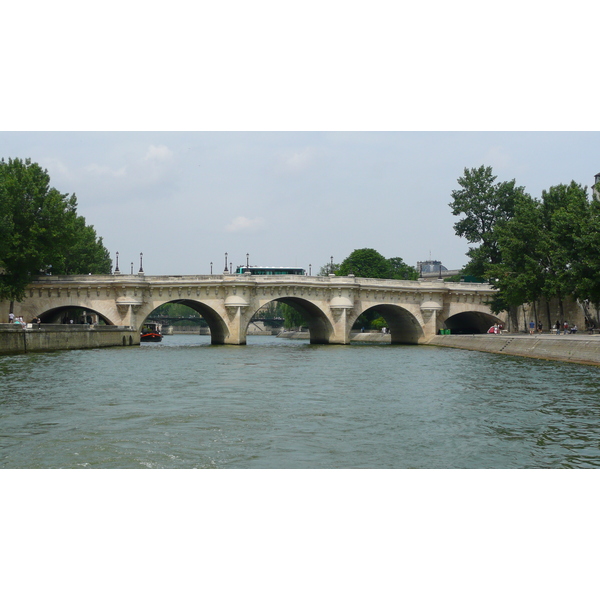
x,y
141,271
225,271
132,268
117,272
310,269
211,268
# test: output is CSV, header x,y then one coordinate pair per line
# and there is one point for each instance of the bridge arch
x,y
471,322
319,325
219,331
404,326
63,313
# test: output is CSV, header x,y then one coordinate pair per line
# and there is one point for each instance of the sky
x,y
183,199
293,135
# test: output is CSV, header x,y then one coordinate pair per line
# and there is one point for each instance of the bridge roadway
x,y
414,310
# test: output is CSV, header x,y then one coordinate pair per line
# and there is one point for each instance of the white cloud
x,y
96,169
499,157
158,153
245,224
299,159
56,166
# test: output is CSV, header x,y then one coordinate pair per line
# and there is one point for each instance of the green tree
x,y
328,269
366,262
270,311
400,270
519,276
173,309
292,317
567,215
548,249
586,270
40,227
484,204
86,254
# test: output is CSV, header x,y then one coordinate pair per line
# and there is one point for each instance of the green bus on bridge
x,y
270,271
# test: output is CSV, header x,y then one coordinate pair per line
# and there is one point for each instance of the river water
x,y
287,404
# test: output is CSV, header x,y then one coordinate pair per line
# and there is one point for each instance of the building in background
x,y
434,269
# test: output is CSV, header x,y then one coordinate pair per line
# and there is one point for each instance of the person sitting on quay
x,y
20,321
574,329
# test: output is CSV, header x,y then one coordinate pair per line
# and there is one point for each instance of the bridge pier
x,y
341,324
237,328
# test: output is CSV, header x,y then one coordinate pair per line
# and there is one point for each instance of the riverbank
x,y
578,348
582,349
16,340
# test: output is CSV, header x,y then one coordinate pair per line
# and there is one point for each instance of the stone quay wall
x,y
16,340
577,348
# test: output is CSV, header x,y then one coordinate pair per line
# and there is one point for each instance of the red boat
x,y
151,333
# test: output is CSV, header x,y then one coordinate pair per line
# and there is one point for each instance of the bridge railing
x,y
120,280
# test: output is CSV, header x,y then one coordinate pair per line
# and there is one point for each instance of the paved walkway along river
x,y
578,348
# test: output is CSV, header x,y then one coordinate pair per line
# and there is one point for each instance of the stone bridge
x,y
414,310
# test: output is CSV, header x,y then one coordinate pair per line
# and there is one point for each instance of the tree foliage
x,y
40,229
367,262
528,248
292,317
484,205
328,269
400,270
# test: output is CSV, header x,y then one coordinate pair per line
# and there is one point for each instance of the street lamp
x,y
132,268
310,269
117,272
225,271
211,267
247,260
141,271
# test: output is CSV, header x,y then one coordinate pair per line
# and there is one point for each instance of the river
x,y
184,404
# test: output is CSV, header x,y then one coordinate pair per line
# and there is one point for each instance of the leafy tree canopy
x,y
367,262
39,228
328,269
400,270
292,317
483,204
